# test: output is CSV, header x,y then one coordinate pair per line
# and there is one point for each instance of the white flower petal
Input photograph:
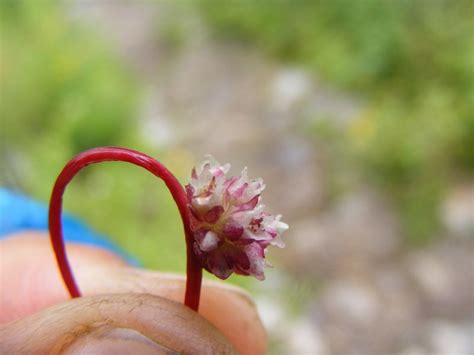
x,y
240,201
209,242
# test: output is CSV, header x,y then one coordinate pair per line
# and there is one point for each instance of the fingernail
x,y
108,340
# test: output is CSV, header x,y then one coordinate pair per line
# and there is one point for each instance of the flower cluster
x,y
231,229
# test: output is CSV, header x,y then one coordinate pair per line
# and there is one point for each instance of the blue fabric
x,y
19,212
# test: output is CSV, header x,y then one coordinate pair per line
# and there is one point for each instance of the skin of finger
x,y
118,341
58,328
227,307
29,276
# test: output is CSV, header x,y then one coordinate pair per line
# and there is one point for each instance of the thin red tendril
x,y
101,154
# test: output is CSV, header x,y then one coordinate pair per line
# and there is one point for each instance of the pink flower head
x,y
231,229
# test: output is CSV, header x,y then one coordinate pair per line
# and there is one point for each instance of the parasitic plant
x,y
225,227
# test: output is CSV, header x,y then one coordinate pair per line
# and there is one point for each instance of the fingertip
x,y
117,341
102,323
232,310
228,307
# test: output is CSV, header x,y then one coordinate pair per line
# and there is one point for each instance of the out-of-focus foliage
x,y
58,77
410,61
63,90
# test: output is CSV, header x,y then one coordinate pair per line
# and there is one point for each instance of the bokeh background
x,y
359,115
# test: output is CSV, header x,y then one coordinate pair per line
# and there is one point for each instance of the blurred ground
x,y
347,283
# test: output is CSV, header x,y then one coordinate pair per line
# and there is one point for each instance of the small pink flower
x,y
231,230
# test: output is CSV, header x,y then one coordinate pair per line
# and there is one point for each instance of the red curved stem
x,y
97,155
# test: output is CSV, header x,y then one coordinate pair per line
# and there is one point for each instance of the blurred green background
x,y
65,85
412,61
63,90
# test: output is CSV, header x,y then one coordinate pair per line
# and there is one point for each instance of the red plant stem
x,y
101,154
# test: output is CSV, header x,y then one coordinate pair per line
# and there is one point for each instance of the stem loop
x,y
101,154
